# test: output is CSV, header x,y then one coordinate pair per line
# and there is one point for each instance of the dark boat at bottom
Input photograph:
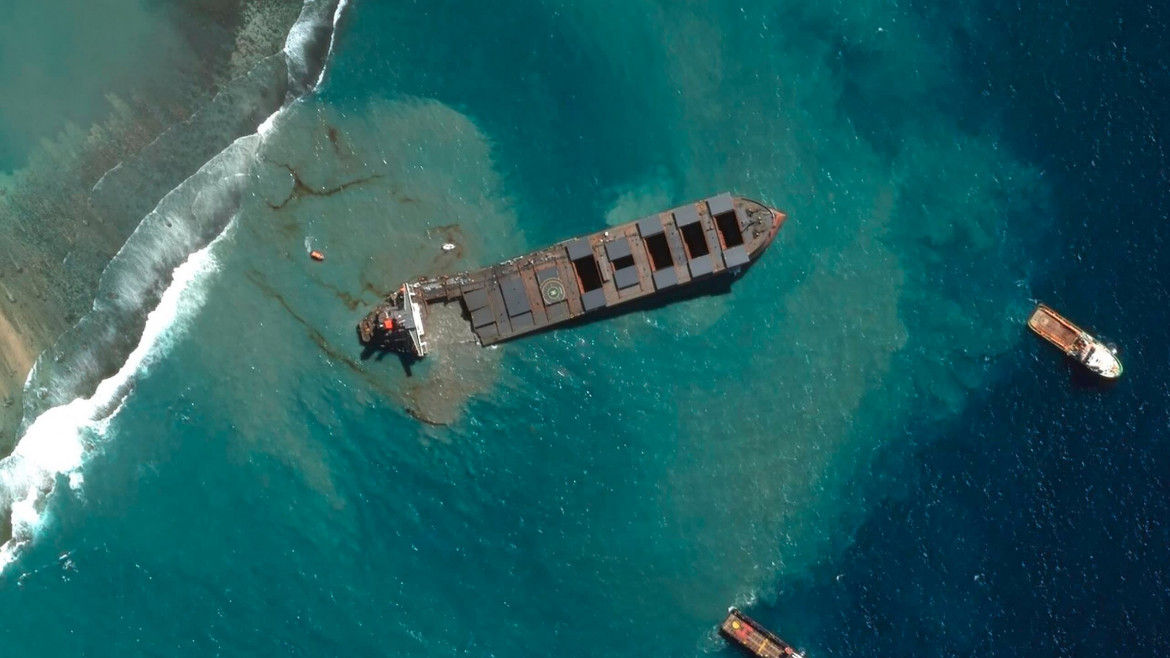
x,y
754,638
664,256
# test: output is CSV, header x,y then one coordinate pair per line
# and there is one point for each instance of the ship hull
x,y
749,635
693,250
1075,342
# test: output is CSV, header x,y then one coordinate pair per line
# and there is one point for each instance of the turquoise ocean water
x,y
859,445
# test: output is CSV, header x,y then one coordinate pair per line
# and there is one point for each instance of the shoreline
x,y
50,267
17,354
95,249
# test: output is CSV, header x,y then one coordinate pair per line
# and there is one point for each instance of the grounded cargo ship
x,y
748,634
675,253
1075,342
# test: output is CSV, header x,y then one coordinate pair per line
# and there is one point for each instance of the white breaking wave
x,y
332,39
57,441
56,444
314,20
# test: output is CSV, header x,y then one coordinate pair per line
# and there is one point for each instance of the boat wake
x,y
152,283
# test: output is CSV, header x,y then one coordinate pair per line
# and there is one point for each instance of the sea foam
x,y
56,442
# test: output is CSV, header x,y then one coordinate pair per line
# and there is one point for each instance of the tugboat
x,y
670,254
1075,342
755,639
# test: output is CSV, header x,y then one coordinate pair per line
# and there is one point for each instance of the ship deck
x,y
607,269
1055,328
751,636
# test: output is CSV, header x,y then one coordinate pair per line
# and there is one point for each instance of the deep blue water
x,y
1036,524
860,445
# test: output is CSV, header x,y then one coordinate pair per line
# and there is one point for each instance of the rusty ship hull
x,y
688,250
750,636
1077,343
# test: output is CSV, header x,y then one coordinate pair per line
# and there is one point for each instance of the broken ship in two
x,y
664,255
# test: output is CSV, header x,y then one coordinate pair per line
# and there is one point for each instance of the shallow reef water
x,y
859,444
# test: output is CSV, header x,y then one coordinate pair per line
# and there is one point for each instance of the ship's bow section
x,y
760,227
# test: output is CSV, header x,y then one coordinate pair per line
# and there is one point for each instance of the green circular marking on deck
x,y
552,290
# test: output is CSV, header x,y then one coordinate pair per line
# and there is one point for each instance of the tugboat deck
x,y
1055,328
748,634
1075,342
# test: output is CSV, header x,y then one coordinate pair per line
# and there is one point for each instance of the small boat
x,y
755,639
316,255
1075,342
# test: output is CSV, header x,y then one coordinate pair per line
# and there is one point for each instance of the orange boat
x,y
1075,342
316,255
757,640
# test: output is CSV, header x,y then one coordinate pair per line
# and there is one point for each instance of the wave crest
x,y
55,444
76,386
